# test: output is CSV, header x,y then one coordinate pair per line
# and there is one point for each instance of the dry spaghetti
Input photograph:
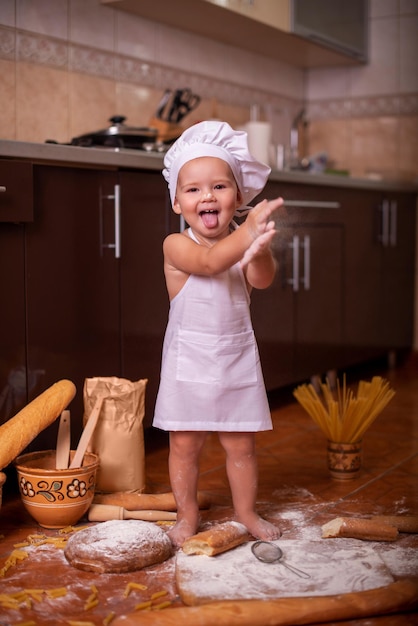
x,y
342,416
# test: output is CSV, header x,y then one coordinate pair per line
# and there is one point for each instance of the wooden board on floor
x,y
335,566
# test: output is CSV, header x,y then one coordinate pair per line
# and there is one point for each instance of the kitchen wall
x,y
68,65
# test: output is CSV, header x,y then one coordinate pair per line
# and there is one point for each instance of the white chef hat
x,y
217,139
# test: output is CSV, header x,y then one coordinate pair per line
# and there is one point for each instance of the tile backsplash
x,y
67,66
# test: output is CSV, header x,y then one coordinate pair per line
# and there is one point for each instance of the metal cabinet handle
x,y
2,189
389,235
294,281
383,237
312,204
116,245
306,245
393,235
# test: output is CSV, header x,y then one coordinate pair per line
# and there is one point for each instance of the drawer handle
x,y
294,281
116,245
2,189
312,204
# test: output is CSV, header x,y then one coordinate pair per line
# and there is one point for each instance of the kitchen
x,y
68,66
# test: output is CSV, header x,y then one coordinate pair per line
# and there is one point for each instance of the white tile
x,y
208,57
135,36
383,8
7,12
409,54
173,48
323,83
281,78
381,75
92,24
240,66
47,17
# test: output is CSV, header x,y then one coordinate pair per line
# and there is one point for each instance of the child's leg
x,y
183,463
242,470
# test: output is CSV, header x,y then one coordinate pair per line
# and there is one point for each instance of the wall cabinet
x,y
263,26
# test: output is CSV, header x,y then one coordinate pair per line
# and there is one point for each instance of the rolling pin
x,y
20,430
397,597
106,512
145,501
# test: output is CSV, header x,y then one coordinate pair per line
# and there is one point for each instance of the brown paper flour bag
x,y
118,438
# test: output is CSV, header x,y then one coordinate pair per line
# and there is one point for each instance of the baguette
x,y
20,430
359,528
404,523
133,501
394,598
218,539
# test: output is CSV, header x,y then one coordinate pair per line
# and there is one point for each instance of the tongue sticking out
x,y
210,220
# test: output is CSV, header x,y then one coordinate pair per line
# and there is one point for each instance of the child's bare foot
x,y
259,527
182,530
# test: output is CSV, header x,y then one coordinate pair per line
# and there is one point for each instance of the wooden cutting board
x,y
335,566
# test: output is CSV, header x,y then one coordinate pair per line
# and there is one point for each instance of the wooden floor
x,y
295,492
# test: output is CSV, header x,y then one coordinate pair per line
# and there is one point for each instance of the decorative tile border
x,y
374,106
19,45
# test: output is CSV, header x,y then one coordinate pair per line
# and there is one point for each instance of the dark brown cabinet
x,y
13,371
379,272
16,197
85,285
298,320
81,273
72,289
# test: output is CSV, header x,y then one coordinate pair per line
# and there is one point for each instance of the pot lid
x,y
119,128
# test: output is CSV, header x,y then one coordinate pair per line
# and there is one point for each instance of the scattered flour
x,y
334,568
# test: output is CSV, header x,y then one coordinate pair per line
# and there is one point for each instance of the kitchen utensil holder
x,y
167,131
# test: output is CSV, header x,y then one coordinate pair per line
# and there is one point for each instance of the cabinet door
x,y
16,191
13,379
147,218
298,320
319,303
397,245
379,273
272,312
73,317
362,276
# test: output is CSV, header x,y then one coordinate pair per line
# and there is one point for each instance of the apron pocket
x,y
228,361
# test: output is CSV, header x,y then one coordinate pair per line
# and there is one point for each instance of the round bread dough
x,y
118,546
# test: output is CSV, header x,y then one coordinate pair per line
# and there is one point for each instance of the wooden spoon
x,y
86,434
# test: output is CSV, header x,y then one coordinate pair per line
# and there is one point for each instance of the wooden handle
x,y
63,441
20,430
106,512
86,434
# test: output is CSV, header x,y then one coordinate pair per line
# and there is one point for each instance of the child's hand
x,y
259,245
258,220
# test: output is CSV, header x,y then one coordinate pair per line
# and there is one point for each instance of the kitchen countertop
x,y
56,154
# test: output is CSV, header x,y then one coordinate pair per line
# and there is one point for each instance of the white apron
x,y
211,378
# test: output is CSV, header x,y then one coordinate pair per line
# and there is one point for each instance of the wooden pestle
x,y
106,512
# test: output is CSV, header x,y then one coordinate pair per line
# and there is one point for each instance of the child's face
x,y
207,195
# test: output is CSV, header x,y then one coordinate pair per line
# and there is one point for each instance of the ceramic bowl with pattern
x,y
56,498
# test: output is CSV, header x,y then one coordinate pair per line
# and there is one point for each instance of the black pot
x,y
118,135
